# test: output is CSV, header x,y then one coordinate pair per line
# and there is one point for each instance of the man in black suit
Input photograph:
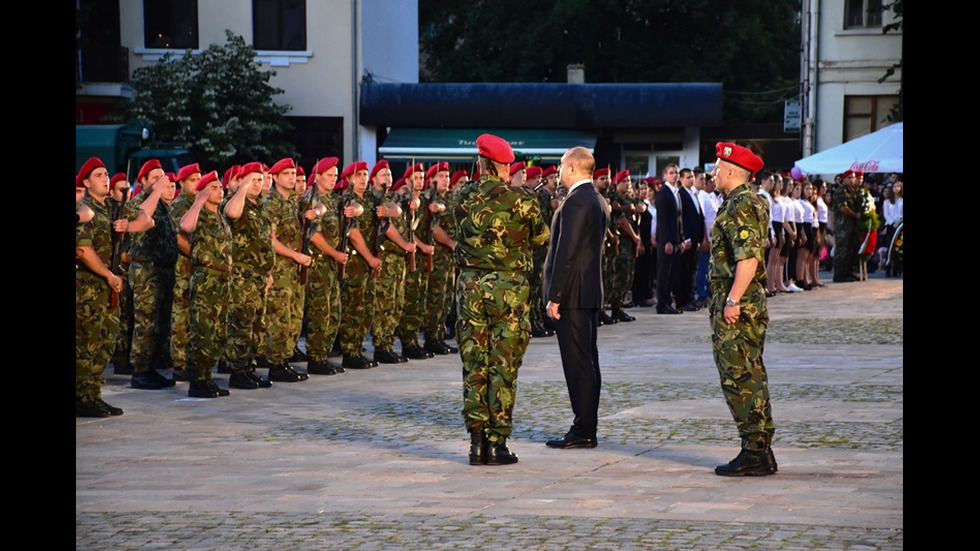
x,y
670,240
572,288
692,220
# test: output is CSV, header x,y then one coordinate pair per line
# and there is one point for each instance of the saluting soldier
x,y
738,311
187,178
284,312
497,228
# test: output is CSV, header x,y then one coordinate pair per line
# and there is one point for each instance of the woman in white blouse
x,y
794,214
820,193
893,207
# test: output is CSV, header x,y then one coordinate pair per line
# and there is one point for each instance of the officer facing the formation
x,y
738,312
497,228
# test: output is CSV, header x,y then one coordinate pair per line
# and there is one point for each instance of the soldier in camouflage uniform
x,y
323,308
211,248
738,312
847,227
187,178
497,228
284,306
96,321
389,296
602,179
251,273
151,276
416,281
532,185
357,288
623,209
549,201
438,297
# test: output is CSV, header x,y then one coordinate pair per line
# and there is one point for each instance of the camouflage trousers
x,y
846,244
609,274
152,302
535,277
625,263
416,285
738,349
210,294
180,313
439,294
283,312
95,326
245,315
389,300
493,328
124,333
323,308
357,296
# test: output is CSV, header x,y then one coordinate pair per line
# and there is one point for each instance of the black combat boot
x,y
478,447
498,454
748,463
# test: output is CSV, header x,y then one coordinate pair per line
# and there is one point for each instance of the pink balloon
x,y
796,173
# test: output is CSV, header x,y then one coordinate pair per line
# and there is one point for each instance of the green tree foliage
x,y
898,25
217,104
751,46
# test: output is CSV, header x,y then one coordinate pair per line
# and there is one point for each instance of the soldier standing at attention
x,y
623,210
251,277
187,179
738,312
847,230
439,293
284,314
416,281
601,178
151,276
497,228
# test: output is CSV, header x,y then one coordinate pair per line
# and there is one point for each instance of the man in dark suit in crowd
x,y
572,288
692,220
670,240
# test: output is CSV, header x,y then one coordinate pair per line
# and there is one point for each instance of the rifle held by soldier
x,y
117,242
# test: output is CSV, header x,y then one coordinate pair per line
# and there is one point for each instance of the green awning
x,y
447,144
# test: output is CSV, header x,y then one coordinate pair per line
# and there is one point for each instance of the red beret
x,y
417,167
850,172
516,167
533,172
300,171
600,173
117,177
265,167
738,155
457,175
87,168
171,176
352,168
443,166
476,175
341,185
207,179
147,167
137,190
348,170
324,165
378,166
398,183
230,174
549,171
651,180
620,175
249,168
495,148
282,164
186,171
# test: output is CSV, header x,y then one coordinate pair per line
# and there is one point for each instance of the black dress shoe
x,y
606,319
748,463
321,368
299,356
150,380
414,352
499,454
436,347
570,441
90,408
201,389
357,362
284,373
619,315
127,369
478,447
668,310
240,379
385,357
690,307
111,409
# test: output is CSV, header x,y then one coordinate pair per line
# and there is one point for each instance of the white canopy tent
x,y
880,151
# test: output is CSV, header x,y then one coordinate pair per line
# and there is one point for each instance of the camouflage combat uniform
x,y
211,248
253,257
180,312
739,233
625,260
389,288
96,323
416,283
438,297
847,231
151,277
323,308
357,288
497,228
284,306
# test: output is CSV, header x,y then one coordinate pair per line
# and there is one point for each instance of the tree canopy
x,y
751,46
217,104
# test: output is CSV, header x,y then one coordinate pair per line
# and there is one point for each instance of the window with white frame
x,y
862,14
866,114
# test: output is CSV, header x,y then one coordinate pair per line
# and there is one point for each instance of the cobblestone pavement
x,y
375,459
